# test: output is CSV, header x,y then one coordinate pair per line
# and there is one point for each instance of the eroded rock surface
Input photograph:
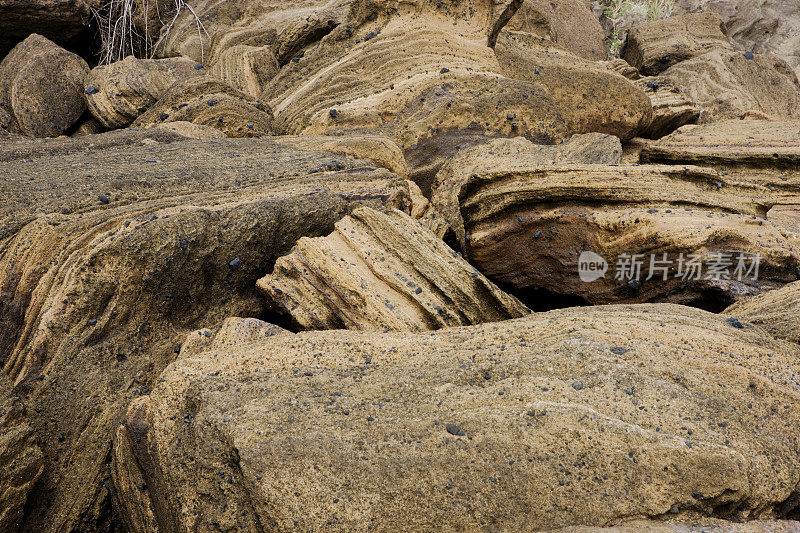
x,y
580,416
383,271
115,246
60,20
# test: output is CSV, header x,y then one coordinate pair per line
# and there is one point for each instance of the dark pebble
x,y
578,385
455,430
619,350
235,263
733,321
103,198
91,89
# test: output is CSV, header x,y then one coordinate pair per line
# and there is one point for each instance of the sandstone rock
x,y
206,101
776,311
105,270
383,271
678,411
730,85
589,97
42,85
570,24
708,525
192,131
247,68
118,93
528,227
622,67
59,20
21,461
87,125
382,151
512,155
652,47
671,109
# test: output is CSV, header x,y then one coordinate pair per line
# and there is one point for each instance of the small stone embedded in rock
x,y
455,430
578,385
735,322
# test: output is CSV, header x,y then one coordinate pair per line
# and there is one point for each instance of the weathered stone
x,y
590,98
59,20
727,85
344,430
383,271
776,311
707,525
654,46
42,85
528,227
120,92
95,295
21,461
671,109
247,68
192,131
206,101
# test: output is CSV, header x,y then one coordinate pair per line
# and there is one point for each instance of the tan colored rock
x,y
88,125
383,271
578,416
104,271
42,85
21,460
590,98
708,525
727,85
118,93
622,67
654,46
192,131
570,24
776,311
671,109
383,151
206,101
527,228
59,20
247,68
512,155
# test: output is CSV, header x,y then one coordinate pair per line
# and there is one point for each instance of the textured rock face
x,y
41,84
118,93
21,461
104,271
206,101
580,416
590,98
730,85
776,311
383,271
709,525
529,227
247,68
671,109
60,20
652,47
570,24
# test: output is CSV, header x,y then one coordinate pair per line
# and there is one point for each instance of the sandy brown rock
x,y
383,271
654,46
21,461
206,101
118,93
728,85
247,68
590,98
671,109
708,525
528,227
570,24
104,271
776,311
192,131
41,84
383,151
580,416
59,20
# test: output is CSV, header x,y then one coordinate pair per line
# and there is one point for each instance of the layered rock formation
x,y
60,20
582,416
41,85
110,256
383,271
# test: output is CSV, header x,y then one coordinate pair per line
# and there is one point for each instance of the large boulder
x,y
21,459
207,101
41,84
106,269
654,46
727,85
118,93
59,20
383,271
579,416
536,226
671,109
590,97
247,68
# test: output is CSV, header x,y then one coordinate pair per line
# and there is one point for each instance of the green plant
x,y
619,11
120,37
